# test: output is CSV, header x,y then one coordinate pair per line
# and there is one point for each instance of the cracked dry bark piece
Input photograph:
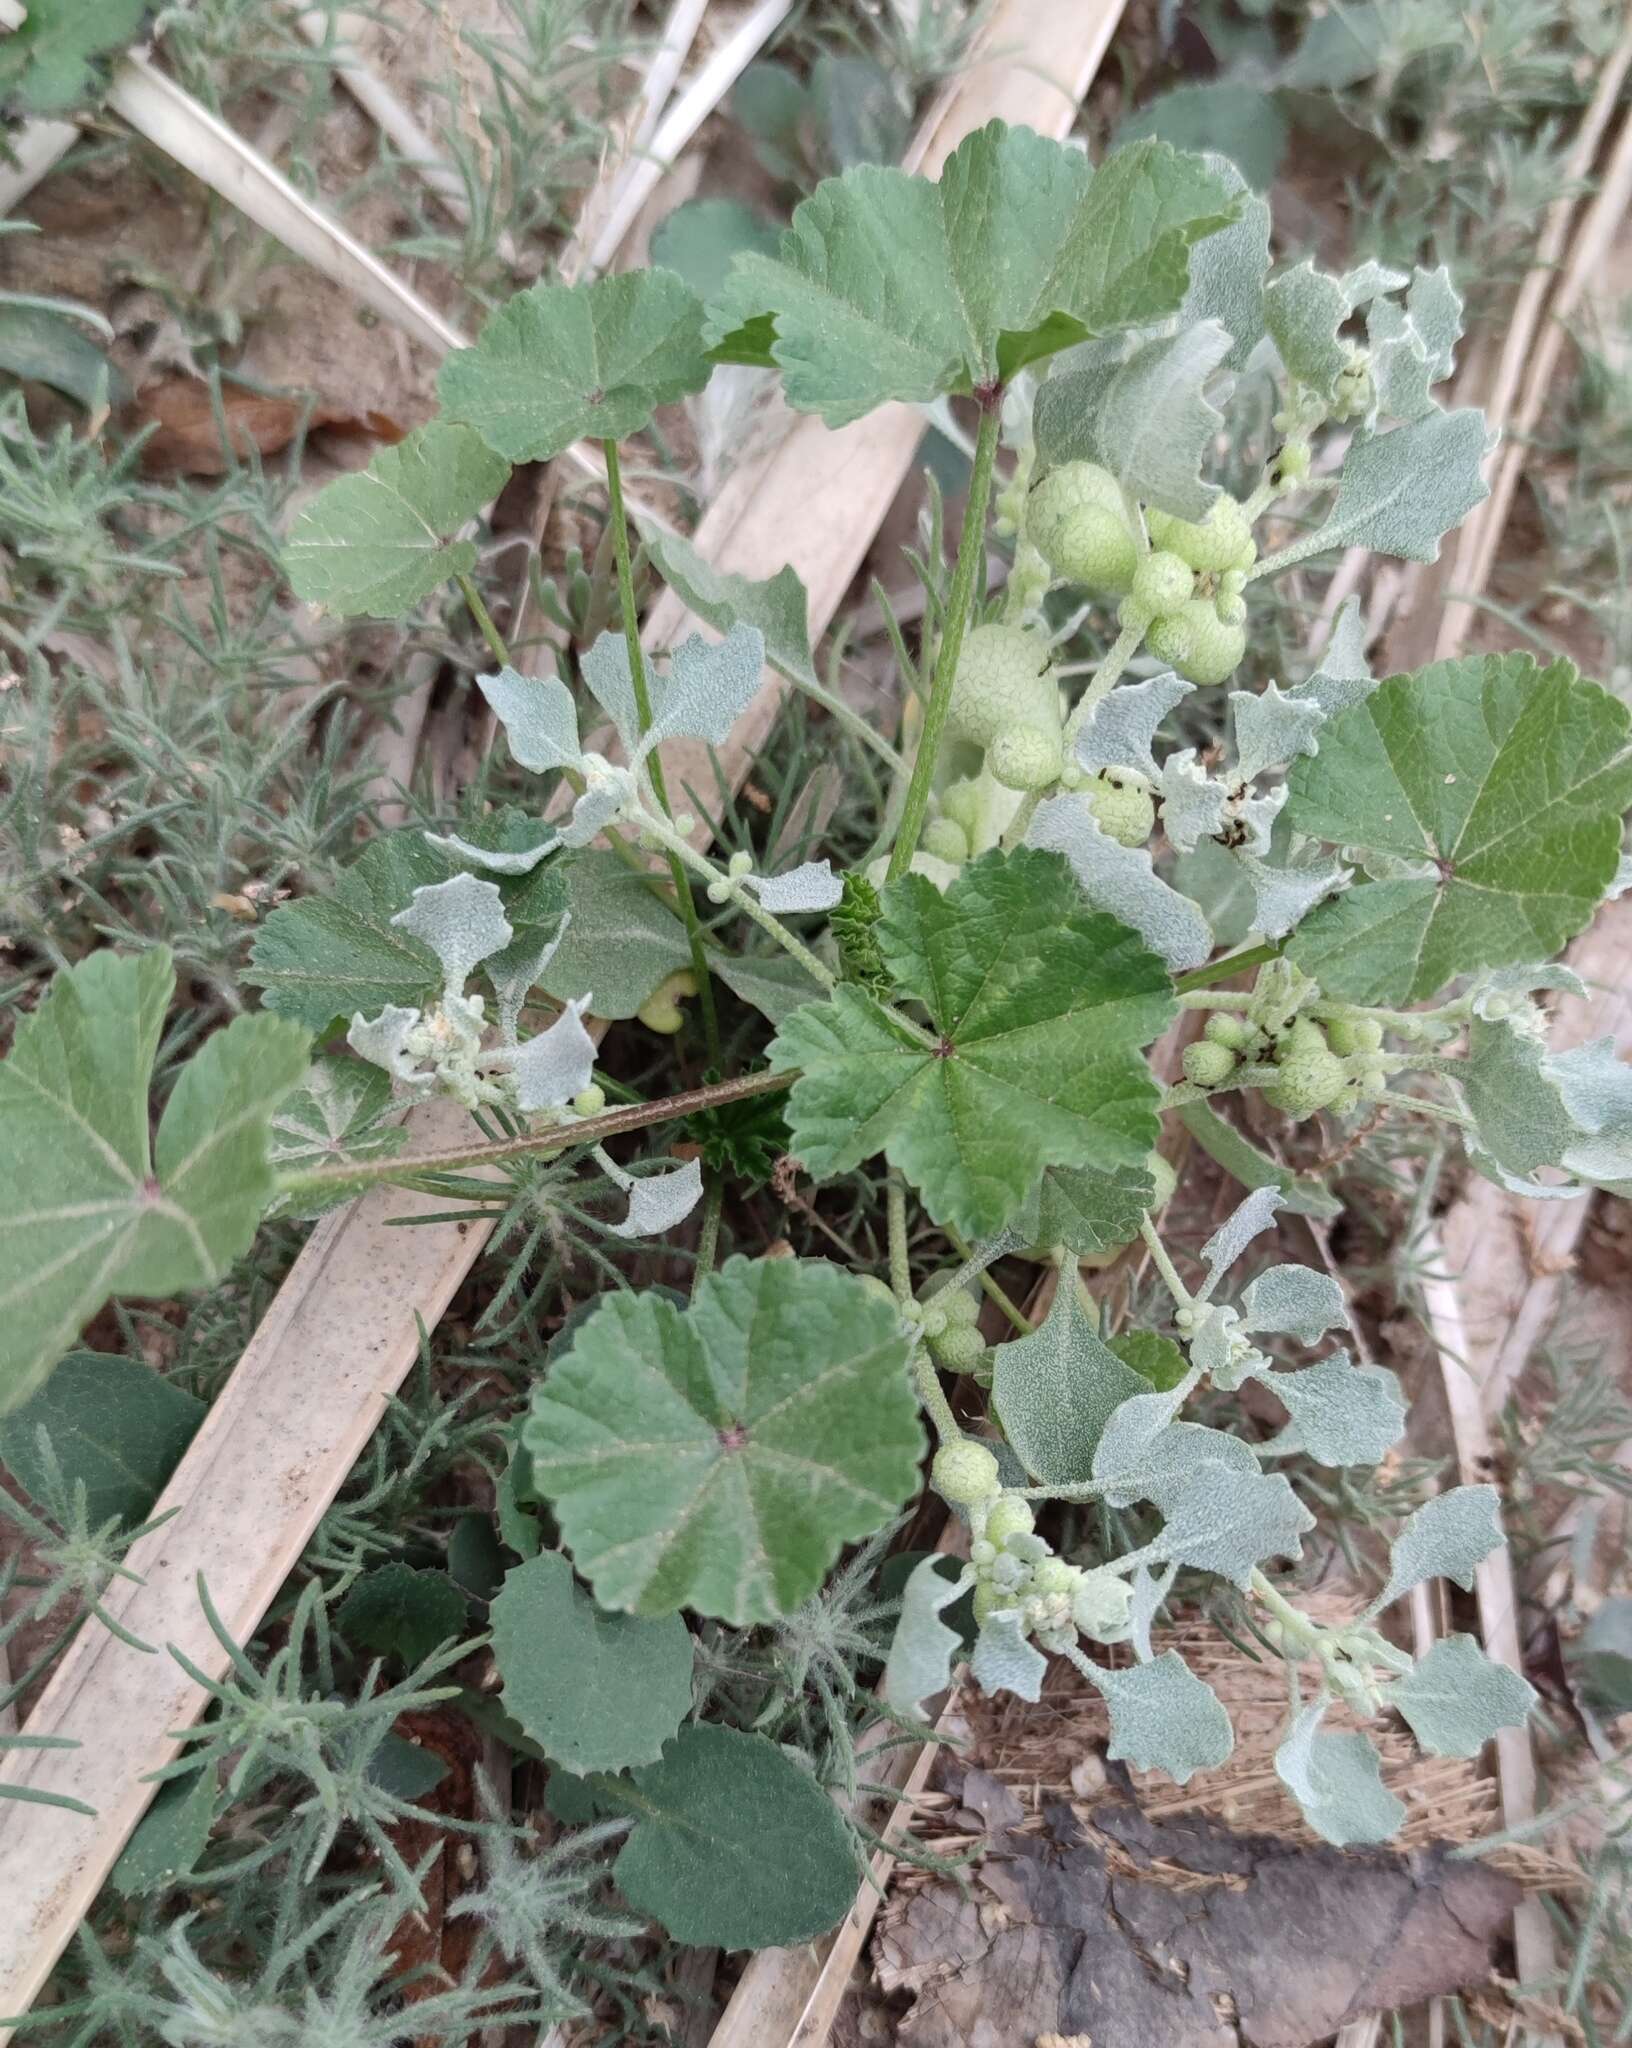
x,y
1287,1945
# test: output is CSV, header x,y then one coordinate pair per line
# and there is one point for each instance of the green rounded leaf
x,y
595,1691
397,1611
1490,791
562,363
735,1847
721,1457
115,1426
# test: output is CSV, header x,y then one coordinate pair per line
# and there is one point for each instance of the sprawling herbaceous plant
x,y
964,1017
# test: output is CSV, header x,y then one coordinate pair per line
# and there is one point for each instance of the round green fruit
x,y
1077,522
1224,1028
1223,540
1011,1517
1123,807
1207,1064
946,839
1026,757
1162,582
1197,643
1002,681
964,1473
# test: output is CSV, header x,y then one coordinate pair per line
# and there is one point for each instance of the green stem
x,y
1105,678
971,544
1164,1265
1234,963
654,767
895,1205
933,1395
682,850
484,621
989,1287
589,1130
708,1241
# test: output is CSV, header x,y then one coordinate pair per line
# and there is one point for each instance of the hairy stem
x,y
654,767
1105,678
1233,963
682,851
484,620
971,544
1164,1265
708,1240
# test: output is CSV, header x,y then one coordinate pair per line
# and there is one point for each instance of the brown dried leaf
x,y
188,440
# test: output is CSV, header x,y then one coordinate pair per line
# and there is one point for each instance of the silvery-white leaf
x,y
1154,428
462,920
1537,1108
1284,896
1122,880
1595,1085
538,718
813,886
1253,819
1456,1699
1212,1345
657,1201
1337,1780
1435,307
1501,992
1296,1299
1194,806
516,973
1271,728
605,670
1342,1413
709,684
1171,1460
384,1041
1118,732
1401,492
1343,678
1003,1660
497,862
1125,1445
557,1064
1370,278
1227,270
1304,311
1057,1388
1402,375
1448,1537
922,1649
1230,1521
1164,1718
609,790
1237,1231
1149,1590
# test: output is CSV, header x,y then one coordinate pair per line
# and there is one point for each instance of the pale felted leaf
x,y
811,886
1249,1219
1337,1780
1284,895
1536,1109
1400,493
562,363
538,717
889,287
1228,269
1039,1007
1149,1590
734,1845
1455,1699
1412,347
657,1201
1342,1413
343,1112
557,1063
1003,1660
1501,784
1448,1537
516,972
1165,1718
377,542
1344,677
595,1691
922,1648
115,1427
1118,731
1122,881
1163,1469
383,1041
713,1458
1147,420
778,608
1123,1452
1272,728
1304,311
1231,1521
1056,1389
462,921
89,1205
704,690
1294,1299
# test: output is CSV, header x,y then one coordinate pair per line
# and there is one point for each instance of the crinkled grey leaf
x,y
1344,678
657,1201
1194,805
1171,1459
538,718
1003,1660
1056,1390
1500,991
710,683
1284,896
1448,1537
604,666
1413,348
1401,492
1254,818
1227,270
1164,1718
384,1040
1296,1299
1215,1339
1304,309
1535,1108
812,886
1118,732
1270,728
1230,1521
1338,1782
462,920
1237,1231
1122,880
1125,1444
497,860
1149,1590
1342,1413
557,1064
922,1649
517,971
1457,1698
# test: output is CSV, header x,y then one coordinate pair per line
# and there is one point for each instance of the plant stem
x,y
971,544
484,620
654,767
933,1396
589,1130
683,851
989,1287
1105,678
708,1240
1164,1265
895,1204
1221,970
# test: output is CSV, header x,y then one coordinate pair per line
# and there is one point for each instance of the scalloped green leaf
x,y
115,1427
1455,1699
1165,1718
887,286
561,363
720,1457
55,59
1502,782
375,543
90,1206
1039,1007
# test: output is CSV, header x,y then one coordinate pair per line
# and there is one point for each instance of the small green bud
x,y
946,839
1224,1028
1011,1517
1162,582
964,1473
982,1553
740,864
957,1346
1002,681
1164,1176
1354,1034
1026,757
1123,805
1078,523
1292,465
590,1101
1232,610
1220,541
1054,1575
989,1598
1198,643
1307,1081
960,1307
1208,1065
1099,1607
